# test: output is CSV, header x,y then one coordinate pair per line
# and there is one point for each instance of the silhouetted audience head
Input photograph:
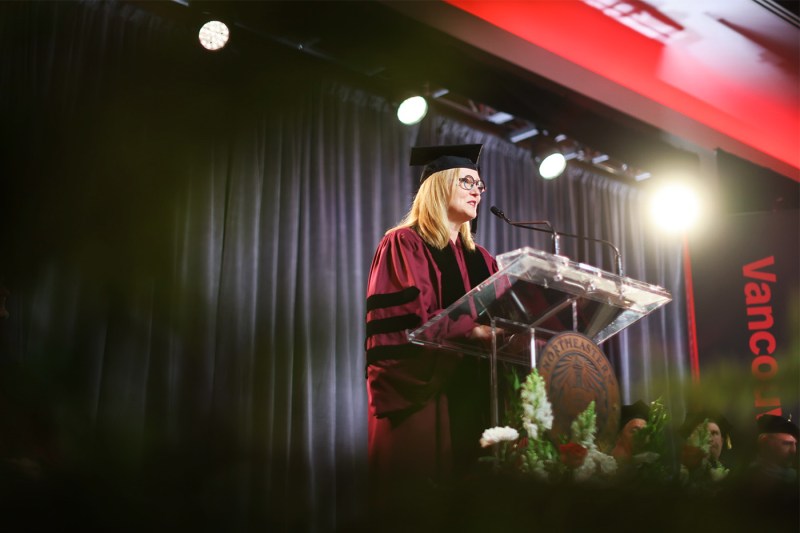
x,y
777,441
633,417
718,428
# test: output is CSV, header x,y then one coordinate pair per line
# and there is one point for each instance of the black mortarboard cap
x,y
696,418
638,409
438,158
777,424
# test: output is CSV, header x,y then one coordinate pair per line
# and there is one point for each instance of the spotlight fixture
x,y
520,131
500,117
675,206
523,133
213,35
550,160
412,110
552,166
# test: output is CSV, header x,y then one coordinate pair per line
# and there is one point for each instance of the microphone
x,y
531,225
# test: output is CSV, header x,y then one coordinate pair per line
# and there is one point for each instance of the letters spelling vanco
x,y
762,342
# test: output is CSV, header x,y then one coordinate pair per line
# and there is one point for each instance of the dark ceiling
x,y
383,50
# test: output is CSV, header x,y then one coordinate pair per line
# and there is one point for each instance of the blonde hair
x,y
428,213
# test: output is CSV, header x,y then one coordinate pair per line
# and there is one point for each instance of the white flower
x,y
585,471
583,428
645,457
608,465
536,409
596,462
545,416
498,434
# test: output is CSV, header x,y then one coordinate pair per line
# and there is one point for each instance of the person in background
x,y
427,408
775,465
632,418
716,431
704,436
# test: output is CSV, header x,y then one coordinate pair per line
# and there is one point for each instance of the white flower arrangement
x,y
536,455
583,428
496,435
596,463
528,447
537,413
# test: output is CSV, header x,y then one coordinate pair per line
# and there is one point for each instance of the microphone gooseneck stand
x,y
532,224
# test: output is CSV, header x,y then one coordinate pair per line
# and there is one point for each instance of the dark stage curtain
x,y
186,238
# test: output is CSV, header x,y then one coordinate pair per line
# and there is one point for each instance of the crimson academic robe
x,y
427,407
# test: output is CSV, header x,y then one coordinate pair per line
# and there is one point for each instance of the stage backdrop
x,y
186,238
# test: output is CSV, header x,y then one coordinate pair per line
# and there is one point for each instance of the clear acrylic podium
x,y
534,296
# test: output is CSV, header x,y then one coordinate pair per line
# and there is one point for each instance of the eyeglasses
x,y
468,183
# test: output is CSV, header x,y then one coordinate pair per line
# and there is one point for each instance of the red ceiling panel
x,y
740,79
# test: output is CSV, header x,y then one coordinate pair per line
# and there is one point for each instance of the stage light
x,y
412,110
523,133
675,207
213,35
550,157
500,117
552,165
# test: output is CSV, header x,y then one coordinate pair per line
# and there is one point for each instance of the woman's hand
x,y
506,340
482,334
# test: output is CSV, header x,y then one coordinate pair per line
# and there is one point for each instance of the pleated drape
x,y
186,240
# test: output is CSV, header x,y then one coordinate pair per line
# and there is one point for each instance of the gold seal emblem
x,y
576,372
